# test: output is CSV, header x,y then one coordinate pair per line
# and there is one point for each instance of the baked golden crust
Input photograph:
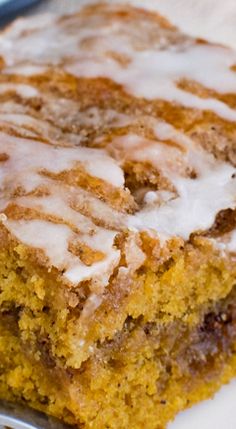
x,y
117,225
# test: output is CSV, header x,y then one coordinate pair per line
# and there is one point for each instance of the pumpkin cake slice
x,y
118,217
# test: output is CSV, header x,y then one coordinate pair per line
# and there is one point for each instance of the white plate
x,y
217,413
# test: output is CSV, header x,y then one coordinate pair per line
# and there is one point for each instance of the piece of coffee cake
x,y
117,232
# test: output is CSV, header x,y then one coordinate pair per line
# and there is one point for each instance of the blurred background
x,y
212,19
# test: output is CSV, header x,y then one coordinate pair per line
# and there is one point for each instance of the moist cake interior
x,y
117,217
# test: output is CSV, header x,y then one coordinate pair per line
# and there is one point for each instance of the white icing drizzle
x,y
54,239
154,74
225,244
199,199
23,90
211,20
194,209
89,47
25,70
27,160
59,203
37,156
44,44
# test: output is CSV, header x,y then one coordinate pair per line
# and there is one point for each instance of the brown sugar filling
x,y
183,352
191,349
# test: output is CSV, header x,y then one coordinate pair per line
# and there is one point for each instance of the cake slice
x,y
118,219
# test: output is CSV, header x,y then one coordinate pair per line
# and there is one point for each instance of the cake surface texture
x,y
117,217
